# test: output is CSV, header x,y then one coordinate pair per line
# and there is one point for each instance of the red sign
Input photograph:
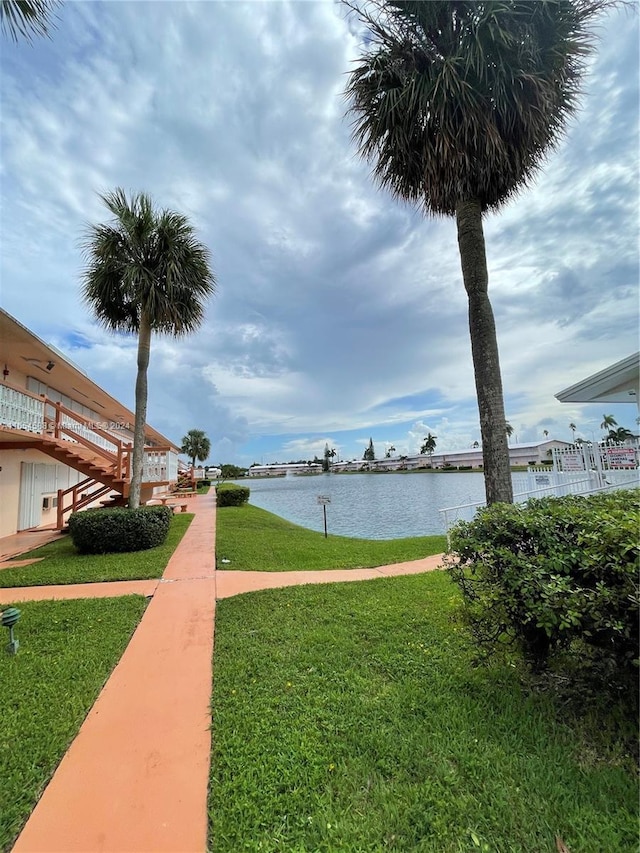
x,y
621,457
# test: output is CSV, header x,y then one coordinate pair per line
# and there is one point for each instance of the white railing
x,y
592,483
86,432
20,411
160,466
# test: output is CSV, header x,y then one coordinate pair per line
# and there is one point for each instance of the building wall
x,y
62,476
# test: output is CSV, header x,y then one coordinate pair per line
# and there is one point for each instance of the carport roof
x,y
618,383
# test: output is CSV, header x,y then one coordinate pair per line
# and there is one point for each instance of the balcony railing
x,y
21,411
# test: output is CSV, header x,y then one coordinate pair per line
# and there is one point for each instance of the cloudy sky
x,y
340,313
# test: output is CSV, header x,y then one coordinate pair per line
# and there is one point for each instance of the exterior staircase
x,y
105,473
92,462
37,423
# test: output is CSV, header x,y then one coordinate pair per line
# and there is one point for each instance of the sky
x,y
340,313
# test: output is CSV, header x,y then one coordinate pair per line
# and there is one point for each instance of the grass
x,y
63,565
251,538
67,651
348,718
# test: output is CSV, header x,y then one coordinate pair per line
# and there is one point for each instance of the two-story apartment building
x,y
65,443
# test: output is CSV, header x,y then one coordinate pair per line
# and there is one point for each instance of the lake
x,y
371,506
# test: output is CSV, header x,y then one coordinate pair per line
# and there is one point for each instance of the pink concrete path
x,y
135,779
230,583
136,776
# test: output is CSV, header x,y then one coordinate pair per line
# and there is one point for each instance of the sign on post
x,y
323,500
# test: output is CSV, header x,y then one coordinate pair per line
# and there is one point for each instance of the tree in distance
x,y
428,446
196,445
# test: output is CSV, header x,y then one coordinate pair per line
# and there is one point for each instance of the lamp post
x,y
9,618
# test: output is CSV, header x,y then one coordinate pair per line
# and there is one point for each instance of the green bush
x,y
204,482
553,572
228,494
105,531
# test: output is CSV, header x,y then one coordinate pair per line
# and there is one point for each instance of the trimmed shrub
x,y
113,530
550,573
204,482
228,494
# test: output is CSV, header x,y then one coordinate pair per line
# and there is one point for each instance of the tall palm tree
x,y
573,429
27,18
457,103
608,422
428,446
508,430
145,272
196,445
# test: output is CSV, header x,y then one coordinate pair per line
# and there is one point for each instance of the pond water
x,y
371,506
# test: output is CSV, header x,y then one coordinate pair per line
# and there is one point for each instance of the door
x,y
30,506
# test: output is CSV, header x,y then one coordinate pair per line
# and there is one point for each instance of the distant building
x,y
529,453
282,469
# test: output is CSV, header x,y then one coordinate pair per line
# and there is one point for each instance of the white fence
x,y
578,470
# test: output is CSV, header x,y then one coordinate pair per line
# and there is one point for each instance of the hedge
x,y
551,573
229,494
117,529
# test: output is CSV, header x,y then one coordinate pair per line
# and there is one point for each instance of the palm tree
x,y
508,430
573,429
196,445
145,272
428,446
608,422
457,104
27,18
619,435
391,449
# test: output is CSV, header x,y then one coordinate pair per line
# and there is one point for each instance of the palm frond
x,y
145,261
464,100
27,18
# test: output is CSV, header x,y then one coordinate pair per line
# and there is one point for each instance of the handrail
x,y
85,421
79,502
120,459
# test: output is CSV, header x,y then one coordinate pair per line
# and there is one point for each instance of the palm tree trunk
x,y
484,348
144,346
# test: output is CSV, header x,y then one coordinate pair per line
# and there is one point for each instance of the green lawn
x,y
67,651
349,718
251,538
62,564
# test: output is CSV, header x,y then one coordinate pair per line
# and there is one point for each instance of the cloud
x,y
340,312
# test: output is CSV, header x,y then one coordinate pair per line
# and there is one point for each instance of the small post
x,y
323,500
9,618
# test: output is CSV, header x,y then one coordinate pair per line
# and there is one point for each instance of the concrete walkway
x,y
135,779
